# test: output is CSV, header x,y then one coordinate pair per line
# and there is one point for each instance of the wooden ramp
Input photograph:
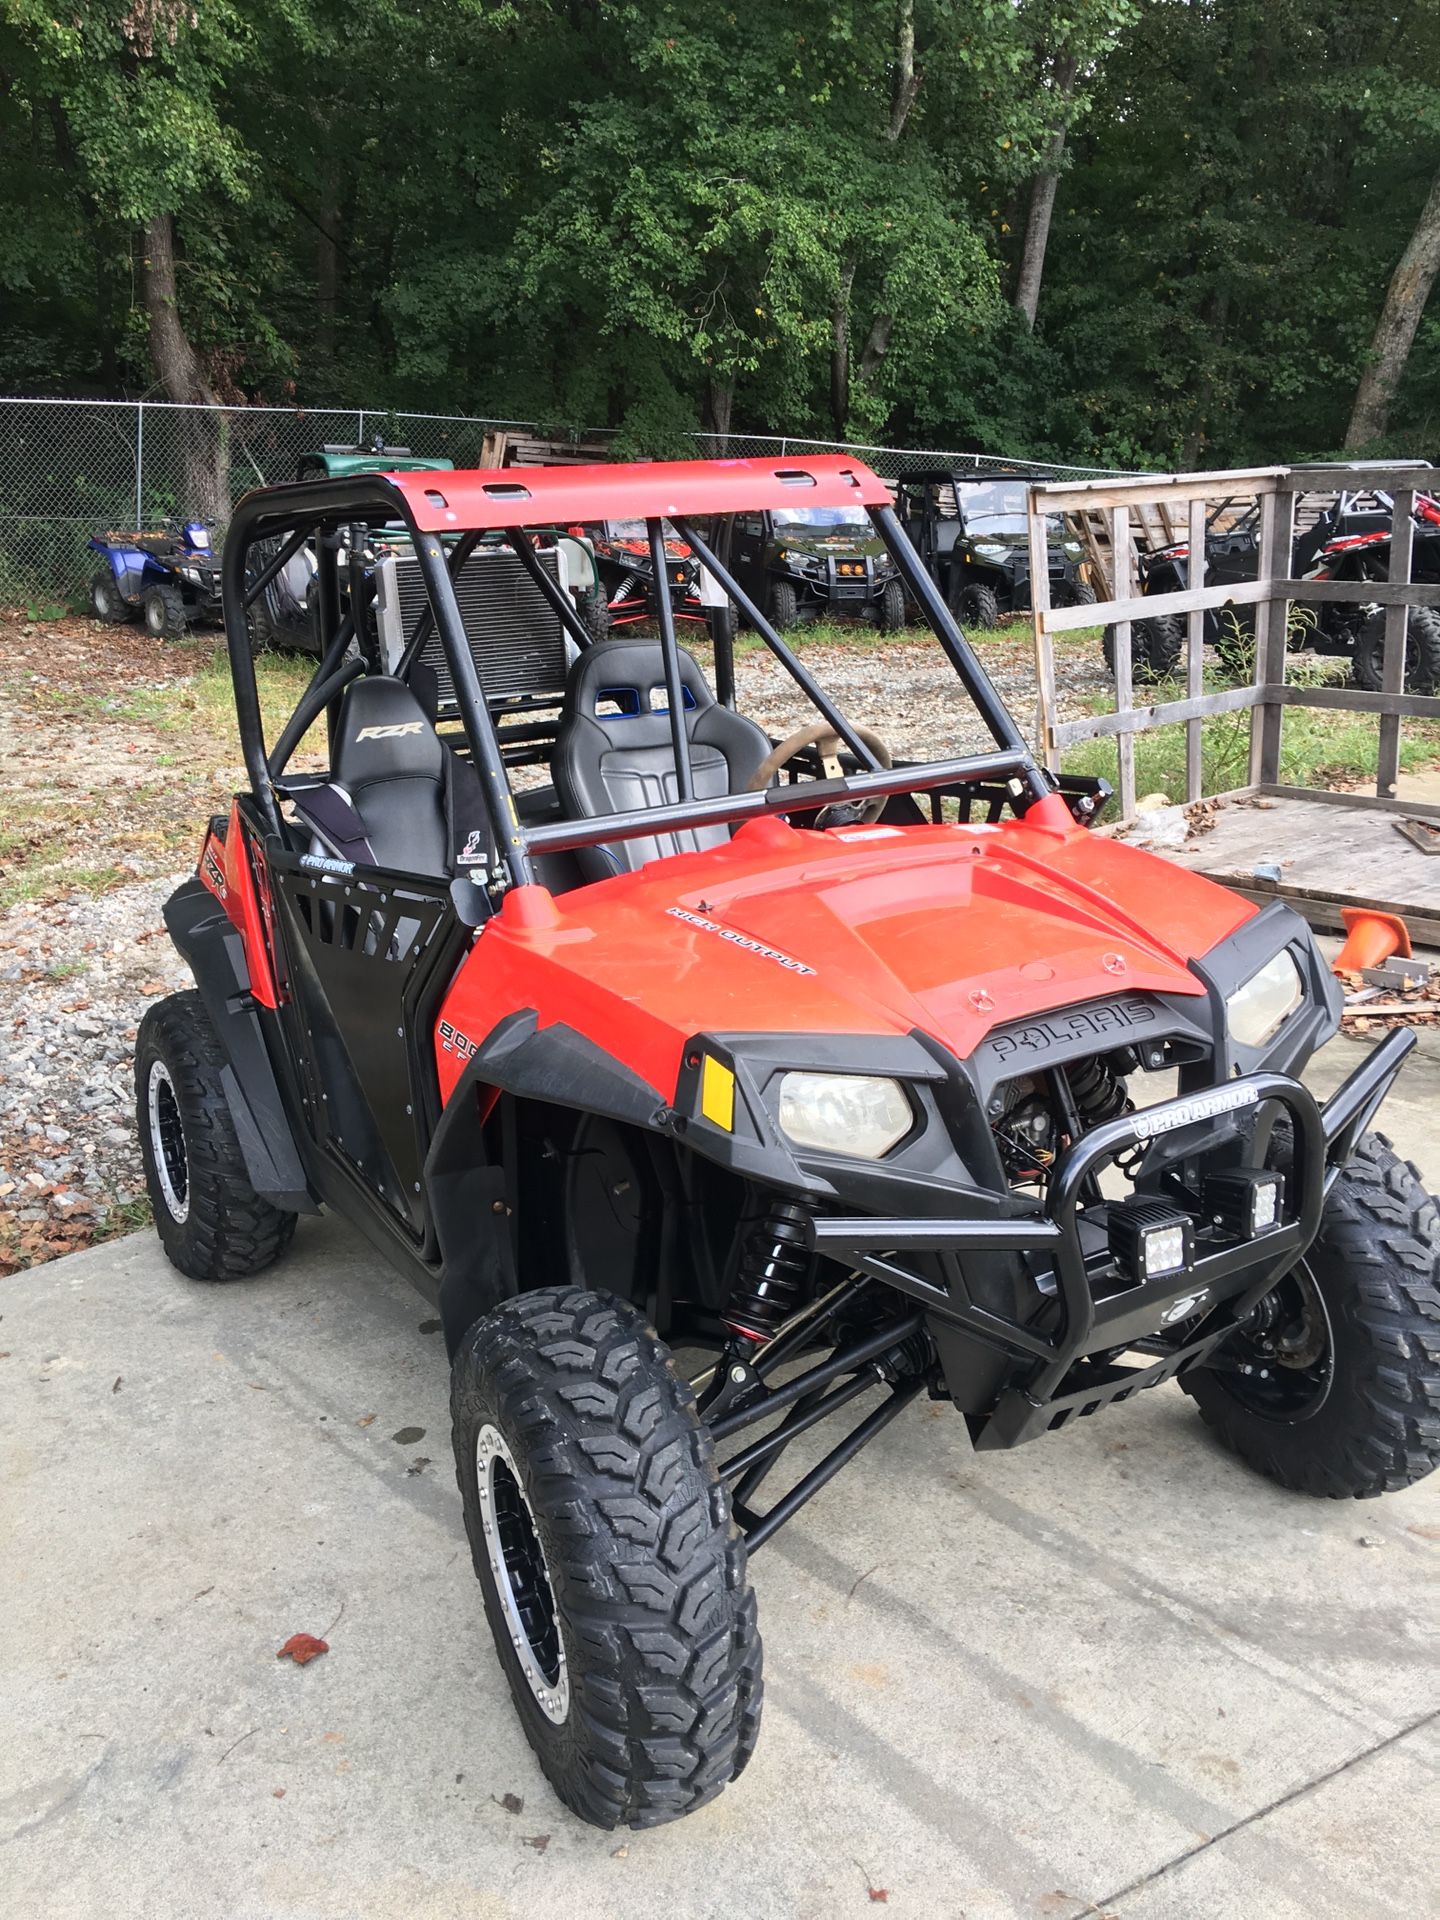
x,y
1332,850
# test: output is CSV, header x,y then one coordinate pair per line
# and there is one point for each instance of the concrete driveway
x,y
1112,1672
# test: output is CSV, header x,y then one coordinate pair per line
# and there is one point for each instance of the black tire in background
x,y
595,612
893,607
106,602
1422,653
1074,593
976,607
1343,1399
613,1576
164,611
212,1223
1155,650
784,605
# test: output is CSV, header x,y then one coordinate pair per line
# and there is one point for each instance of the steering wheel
x,y
822,735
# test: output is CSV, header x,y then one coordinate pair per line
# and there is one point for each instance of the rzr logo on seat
x,y
391,733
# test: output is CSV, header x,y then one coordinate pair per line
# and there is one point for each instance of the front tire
x,y
892,607
977,608
1073,593
164,610
613,1577
784,606
1343,1399
212,1223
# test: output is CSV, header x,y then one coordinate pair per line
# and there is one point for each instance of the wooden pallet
x,y
1333,850
506,447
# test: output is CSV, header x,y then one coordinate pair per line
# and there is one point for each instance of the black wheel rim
x,y
167,1142
522,1579
1282,1364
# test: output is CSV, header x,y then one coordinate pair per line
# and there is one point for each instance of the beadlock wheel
x,y
167,1142
522,1580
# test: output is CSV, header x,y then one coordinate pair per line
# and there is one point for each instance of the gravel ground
x,y
74,979
104,802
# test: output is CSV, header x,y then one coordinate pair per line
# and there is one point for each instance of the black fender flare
x,y
215,954
468,1192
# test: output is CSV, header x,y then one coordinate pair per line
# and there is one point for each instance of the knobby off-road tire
x,y
106,602
164,612
640,1627
1375,1427
212,1223
595,612
784,606
1155,649
893,607
1422,653
1074,593
978,608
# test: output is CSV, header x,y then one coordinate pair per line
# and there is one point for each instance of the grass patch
x,y
1319,746
47,880
130,1216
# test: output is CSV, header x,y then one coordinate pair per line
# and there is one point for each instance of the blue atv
x,y
170,580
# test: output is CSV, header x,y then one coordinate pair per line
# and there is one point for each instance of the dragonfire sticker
x,y
739,940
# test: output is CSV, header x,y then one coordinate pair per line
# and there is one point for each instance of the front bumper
x,y
1060,1367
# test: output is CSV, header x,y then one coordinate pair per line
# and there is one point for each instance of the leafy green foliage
x,y
656,214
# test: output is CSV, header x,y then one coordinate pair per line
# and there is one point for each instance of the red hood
x,y
951,930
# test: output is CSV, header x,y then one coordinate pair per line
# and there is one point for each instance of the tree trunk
x,y
719,406
1395,333
1042,200
201,430
840,349
906,82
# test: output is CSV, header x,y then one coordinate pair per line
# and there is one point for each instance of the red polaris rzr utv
x,y
627,1030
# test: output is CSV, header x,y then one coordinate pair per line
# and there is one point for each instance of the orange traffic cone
x,y
1370,937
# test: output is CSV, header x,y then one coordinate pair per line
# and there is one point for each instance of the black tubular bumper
x,y
1089,1312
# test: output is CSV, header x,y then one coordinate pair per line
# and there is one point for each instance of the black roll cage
x,y
323,508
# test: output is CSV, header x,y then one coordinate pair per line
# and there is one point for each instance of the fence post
x,y
1195,654
360,428
1122,585
139,466
1397,632
1046,698
1272,623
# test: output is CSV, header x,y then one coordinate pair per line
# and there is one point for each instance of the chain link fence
x,y
70,469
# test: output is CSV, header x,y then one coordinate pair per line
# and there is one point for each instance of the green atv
x,y
972,535
808,563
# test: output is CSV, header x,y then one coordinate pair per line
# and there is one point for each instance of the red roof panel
x,y
483,497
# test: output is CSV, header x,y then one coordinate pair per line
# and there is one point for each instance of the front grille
x,y
516,641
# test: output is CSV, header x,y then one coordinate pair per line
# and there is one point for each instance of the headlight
x,y
992,551
1268,998
854,1113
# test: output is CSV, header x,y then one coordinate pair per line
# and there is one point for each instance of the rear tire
x,y
1155,649
106,602
1422,653
164,612
613,1576
212,1223
1362,1416
892,607
784,606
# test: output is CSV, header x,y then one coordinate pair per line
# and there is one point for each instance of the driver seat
x,y
614,754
